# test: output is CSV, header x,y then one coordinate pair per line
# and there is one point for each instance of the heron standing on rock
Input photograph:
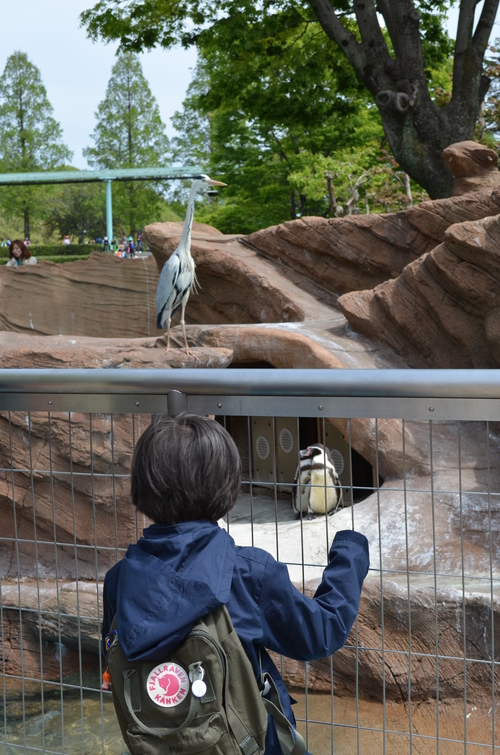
x,y
178,277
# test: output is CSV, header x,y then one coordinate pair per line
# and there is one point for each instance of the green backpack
x,y
203,699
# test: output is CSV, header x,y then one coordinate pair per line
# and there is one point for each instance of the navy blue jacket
x,y
176,574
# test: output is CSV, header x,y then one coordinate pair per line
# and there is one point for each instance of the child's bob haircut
x,y
185,468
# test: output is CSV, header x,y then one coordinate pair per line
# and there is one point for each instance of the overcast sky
x,y
75,71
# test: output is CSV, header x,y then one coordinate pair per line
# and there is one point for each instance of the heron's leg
x,y
188,350
184,331
168,326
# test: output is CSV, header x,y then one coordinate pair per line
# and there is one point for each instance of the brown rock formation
x,y
340,255
442,311
101,296
473,165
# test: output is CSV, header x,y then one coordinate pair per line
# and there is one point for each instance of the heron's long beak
x,y
215,183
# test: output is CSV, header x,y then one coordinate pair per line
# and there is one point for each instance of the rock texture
x,y
101,296
360,252
443,310
473,165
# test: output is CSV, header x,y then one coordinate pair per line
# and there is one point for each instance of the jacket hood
x,y
172,577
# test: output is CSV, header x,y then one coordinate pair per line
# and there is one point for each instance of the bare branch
x,y
485,25
368,23
386,10
465,25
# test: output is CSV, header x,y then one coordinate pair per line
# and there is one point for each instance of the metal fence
x,y
418,458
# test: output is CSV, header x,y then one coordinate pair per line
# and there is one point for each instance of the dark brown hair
x,y
185,468
25,252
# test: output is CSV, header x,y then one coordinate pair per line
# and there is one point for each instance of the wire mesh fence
x,y
417,456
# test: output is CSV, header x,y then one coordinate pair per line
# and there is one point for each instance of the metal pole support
x,y
109,210
176,402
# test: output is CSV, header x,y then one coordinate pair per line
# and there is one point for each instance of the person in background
x,y
122,247
19,254
139,241
27,242
67,240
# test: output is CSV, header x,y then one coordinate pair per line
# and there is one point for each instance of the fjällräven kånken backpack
x,y
203,699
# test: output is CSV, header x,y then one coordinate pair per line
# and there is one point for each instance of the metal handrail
x,y
452,384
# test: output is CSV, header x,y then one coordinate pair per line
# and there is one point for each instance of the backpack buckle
x,y
110,639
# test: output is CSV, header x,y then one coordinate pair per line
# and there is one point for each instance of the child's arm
x,y
306,628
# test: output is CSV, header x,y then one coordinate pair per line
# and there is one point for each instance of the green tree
x,y
129,133
274,147
390,45
77,210
30,138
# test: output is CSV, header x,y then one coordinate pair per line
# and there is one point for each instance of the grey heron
x,y
178,276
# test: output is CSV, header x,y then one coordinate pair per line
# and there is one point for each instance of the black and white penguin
x,y
316,486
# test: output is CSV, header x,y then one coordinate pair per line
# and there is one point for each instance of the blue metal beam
x,y
80,176
94,176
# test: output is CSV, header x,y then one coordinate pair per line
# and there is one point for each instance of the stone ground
x,y
345,739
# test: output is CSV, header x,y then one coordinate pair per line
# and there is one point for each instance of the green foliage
x,y
55,258
77,210
129,133
58,250
440,82
140,25
274,159
64,258
63,250
30,138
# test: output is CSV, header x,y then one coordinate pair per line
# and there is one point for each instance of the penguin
x,y
316,486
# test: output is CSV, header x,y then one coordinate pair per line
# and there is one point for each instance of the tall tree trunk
x,y
26,222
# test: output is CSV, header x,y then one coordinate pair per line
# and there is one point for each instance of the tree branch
x,y
404,30
337,33
369,27
485,25
465,25
469,52
385,9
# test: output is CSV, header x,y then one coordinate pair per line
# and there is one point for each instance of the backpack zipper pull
x,y
106,681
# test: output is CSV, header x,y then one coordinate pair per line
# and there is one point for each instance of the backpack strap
x,y
132,695
291,742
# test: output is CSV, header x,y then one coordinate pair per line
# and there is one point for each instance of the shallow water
x,y
77,723
66,721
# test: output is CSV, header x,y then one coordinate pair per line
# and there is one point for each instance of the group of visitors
x,y
126,247
8,242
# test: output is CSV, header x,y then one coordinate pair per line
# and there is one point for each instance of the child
x,y
186,474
